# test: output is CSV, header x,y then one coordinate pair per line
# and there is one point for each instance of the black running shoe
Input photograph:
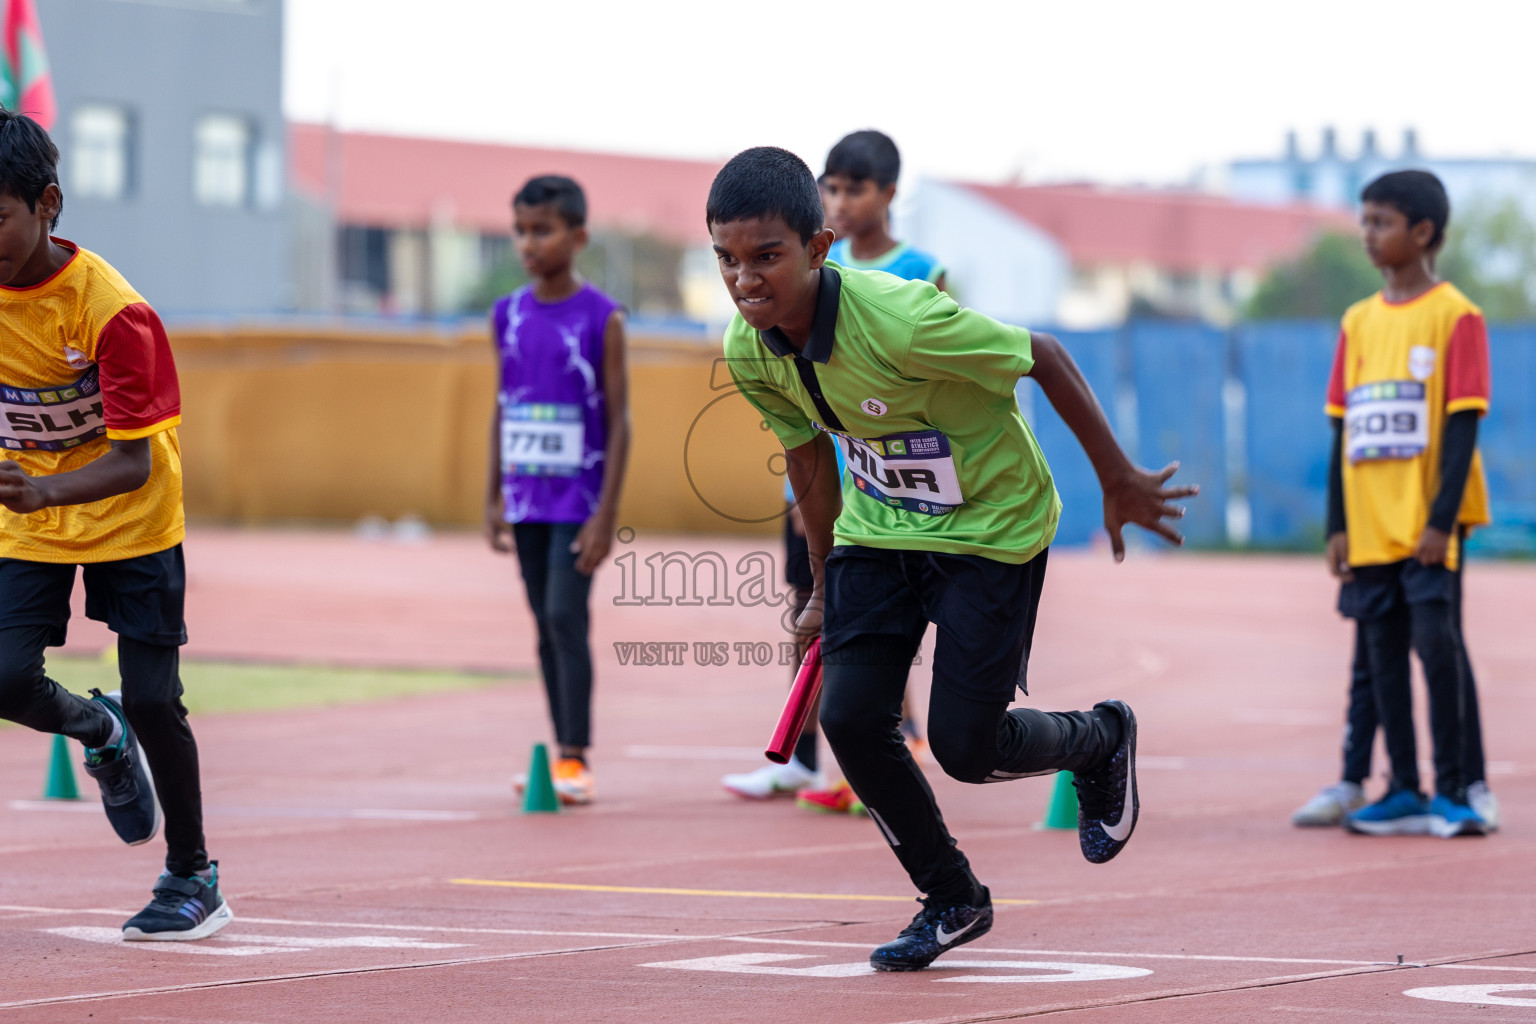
x,y
183,909
937,928
1106,796
127,791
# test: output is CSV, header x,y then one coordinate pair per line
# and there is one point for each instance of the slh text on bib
x,y
542,439
1386,420
52,419
915,472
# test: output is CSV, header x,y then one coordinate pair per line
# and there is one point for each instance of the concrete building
x,y
1332,176
417,223
1084,256
411,226
171,137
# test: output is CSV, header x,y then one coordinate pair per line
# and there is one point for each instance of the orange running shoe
x,y
573,781
835,799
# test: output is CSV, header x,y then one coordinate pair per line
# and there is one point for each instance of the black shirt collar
x,y
818,348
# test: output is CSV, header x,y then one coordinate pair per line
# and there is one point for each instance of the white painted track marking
x,y
114,937
765,963
1063,971
214,811
778,963
1482,995
239,944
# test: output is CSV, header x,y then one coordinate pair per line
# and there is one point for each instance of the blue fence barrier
x,y
1081,504
1242,412
1283,368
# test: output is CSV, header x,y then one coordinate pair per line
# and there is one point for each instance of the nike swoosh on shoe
x,y
945,938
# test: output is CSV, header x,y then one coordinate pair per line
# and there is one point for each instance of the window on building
x,y
364,257
222,160
101,160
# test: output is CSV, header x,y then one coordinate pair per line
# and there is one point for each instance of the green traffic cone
x,y
1061,809
539,795
61,773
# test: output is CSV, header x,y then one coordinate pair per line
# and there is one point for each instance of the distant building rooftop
x,y
1179,231
393,181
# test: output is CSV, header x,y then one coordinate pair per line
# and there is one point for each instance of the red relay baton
x,y
801,696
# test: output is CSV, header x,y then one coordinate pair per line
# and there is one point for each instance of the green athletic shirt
x,y
939,456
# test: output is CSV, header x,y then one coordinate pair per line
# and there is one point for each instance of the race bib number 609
x,y
1386,420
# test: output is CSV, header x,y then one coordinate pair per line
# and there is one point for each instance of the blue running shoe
x,y
1107,805
937,928
183,909
1447,819
127,790
1399,813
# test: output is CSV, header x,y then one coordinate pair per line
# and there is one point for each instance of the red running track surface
x,y
347,835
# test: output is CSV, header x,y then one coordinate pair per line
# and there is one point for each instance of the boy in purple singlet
x,y
559,444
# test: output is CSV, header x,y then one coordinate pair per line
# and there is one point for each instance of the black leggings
x,y
151,686
985,613
558,595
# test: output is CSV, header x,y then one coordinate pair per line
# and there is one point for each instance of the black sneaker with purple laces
x,y
937,928
1107,805
183,909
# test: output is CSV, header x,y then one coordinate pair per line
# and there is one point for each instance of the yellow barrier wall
x,y
306,426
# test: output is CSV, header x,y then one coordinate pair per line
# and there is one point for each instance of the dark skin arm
x,y
1131,494
595,538
497,530
819,499
122,468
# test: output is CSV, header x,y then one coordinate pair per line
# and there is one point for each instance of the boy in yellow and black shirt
x,y
1410,380
90,475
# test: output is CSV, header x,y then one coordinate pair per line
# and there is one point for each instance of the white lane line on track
x,y
342,813
238,943
661,753
1151,762
304,975
674,937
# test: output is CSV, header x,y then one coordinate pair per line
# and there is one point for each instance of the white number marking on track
x,y
778,963
1485,994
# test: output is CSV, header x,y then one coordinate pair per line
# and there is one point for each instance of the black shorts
x,y
1377,590
881,600
142,598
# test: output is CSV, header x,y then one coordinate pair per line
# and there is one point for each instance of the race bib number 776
x,y
542,439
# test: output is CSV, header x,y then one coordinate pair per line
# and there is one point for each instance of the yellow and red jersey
x,y
85,361
1399,371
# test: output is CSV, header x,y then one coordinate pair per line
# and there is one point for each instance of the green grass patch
x,y
213,686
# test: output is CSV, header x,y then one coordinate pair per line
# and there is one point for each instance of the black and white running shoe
x,y
1106,796
183,909
937,928
127,790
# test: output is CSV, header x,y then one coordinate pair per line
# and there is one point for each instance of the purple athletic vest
x,y
552,405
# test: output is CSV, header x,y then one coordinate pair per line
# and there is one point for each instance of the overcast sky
x,y
1150,91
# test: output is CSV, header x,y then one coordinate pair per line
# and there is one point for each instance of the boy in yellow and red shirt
x,y
90,475
1410,380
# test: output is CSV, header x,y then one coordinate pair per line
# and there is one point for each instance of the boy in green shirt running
x,y
950,511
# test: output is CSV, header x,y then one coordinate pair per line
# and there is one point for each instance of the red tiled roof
x,y
1182,231
391,181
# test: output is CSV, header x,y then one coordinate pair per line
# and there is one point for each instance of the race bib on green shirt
x,y
914,472
1386,420
541,439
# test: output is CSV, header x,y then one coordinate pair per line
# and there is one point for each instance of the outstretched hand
x,y
1140,497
